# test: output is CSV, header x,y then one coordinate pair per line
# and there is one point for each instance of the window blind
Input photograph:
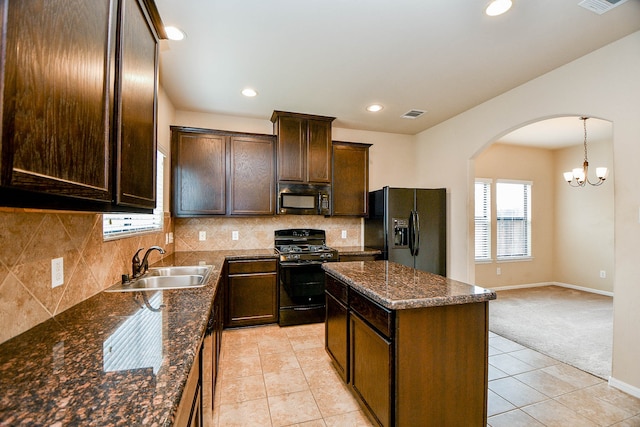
x,y
483,219
125,224
513,218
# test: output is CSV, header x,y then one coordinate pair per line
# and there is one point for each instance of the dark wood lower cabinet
x,y
252,293
189,413
371,370
336,329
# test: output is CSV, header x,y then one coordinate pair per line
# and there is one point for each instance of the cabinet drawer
x,y
336,289
253,266
378,316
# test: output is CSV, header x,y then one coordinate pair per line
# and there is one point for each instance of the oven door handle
x,y
300,264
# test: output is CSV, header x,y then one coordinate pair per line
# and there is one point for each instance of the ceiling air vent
x,y
600,6
413,114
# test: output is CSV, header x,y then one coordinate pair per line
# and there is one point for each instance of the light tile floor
x,y
272,376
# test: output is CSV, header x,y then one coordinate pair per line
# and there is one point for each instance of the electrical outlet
x,y
57,272
170,237
166,238
202,236
498,271
603,274
234,235
344,234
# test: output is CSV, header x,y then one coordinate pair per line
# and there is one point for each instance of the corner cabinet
x,y
77,132
303,146
221,173
350,188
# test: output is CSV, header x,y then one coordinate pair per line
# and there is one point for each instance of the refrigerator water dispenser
x,y
400,232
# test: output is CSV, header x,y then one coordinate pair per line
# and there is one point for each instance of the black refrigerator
x,y
409,226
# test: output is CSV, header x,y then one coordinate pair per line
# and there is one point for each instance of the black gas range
x,y
302,253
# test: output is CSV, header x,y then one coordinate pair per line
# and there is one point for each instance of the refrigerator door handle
x,y
416,233
411,234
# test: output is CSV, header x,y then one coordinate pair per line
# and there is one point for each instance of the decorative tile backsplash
x,y
29,240
257,233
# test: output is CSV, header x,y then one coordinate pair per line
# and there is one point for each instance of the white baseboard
x,y
582,288
563,285
627,388
527,285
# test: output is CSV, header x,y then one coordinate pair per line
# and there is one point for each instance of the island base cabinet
x,y
336,327
441,366
370,370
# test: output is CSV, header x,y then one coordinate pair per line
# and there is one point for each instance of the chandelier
x,y
578,177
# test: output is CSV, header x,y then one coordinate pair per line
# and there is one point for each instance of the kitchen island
x,y
411,345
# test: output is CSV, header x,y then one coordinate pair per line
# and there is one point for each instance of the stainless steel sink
x,y
184,270
167,278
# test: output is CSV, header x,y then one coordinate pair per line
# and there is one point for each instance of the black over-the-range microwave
x,y
304,199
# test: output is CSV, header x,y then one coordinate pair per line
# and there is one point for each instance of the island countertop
x,y
398,287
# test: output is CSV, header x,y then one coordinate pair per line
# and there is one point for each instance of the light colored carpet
x,y
571,326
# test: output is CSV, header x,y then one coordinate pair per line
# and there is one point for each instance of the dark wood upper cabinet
x,y
68,99
221,173
136,98
58,74
350,190
252,175
303,146
198,170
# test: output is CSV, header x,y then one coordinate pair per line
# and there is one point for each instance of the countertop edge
x,y
401,304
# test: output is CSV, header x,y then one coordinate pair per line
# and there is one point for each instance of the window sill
x,y
514,259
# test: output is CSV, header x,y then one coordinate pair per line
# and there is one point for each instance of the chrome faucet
x,y
140,267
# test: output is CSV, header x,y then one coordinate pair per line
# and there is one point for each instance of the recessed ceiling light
x,y
374,108
248,92
498,7
174,33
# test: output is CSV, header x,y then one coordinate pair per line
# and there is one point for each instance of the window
x,y
513,219
115,226
483,220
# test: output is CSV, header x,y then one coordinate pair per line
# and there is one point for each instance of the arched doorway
x,y
571,228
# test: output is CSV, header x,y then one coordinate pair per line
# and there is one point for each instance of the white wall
x,y
584,243
603,84
166,116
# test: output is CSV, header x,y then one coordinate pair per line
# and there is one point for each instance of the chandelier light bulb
x,y
601,172
568,176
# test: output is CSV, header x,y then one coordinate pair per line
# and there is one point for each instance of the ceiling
x,y
334,58
560,132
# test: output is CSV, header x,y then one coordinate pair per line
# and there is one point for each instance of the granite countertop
x,y
116,359
356,250
398,287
